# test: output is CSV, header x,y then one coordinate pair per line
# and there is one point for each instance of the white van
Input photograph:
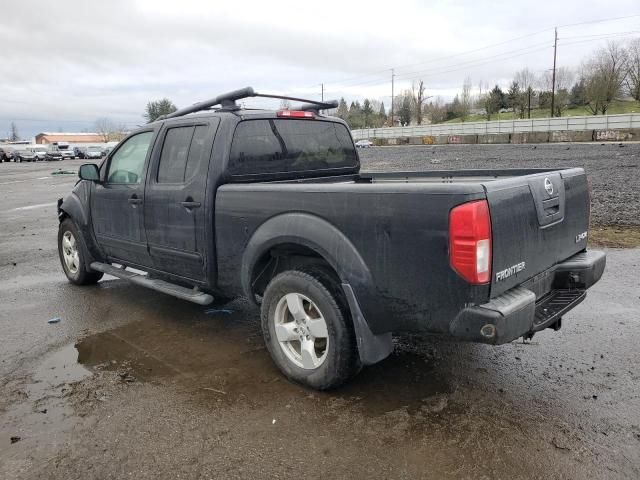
x,y
65,149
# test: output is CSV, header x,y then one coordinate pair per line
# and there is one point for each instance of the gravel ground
x,y
613,169
131,383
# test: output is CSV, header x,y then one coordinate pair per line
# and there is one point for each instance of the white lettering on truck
x,y
507,272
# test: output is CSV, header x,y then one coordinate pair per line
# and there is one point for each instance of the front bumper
x,y
535,305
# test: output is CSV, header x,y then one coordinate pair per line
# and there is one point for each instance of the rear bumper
x,y
533,306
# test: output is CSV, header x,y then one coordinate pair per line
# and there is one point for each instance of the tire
x,y
324,364
72,244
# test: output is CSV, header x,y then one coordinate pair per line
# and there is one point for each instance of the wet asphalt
x,y
133,383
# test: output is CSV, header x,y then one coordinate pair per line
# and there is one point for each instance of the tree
x,y
108,130
526,80
343,109
514,99
367,112
14,136
453,109
465,100
564,79
418,98
436,111
284,104
405,108
494,101
577,97
157,108
633,69
605,73
355,118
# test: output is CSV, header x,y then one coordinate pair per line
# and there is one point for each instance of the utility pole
x,y
553,75
322,94
392,78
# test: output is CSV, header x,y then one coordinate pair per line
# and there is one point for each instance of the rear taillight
x,y
470,241
296,114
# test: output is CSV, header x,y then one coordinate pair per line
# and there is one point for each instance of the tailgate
x,y
537,221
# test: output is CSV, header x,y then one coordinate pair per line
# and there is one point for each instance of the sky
x,y
67,63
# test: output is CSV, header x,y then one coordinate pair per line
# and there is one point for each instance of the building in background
x,y
45,138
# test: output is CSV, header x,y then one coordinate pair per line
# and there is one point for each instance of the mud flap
x,y
371,348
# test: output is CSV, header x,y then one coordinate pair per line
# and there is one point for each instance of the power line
x,y
348,80
602,20
461,66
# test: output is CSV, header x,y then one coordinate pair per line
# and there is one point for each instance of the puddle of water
x,y
224,359
59,368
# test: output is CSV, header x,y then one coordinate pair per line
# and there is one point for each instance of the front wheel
x,y
307,329
73,257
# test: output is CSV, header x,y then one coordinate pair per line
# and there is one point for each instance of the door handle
x,y
189,204
134,200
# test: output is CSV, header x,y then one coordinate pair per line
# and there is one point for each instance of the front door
x,y
117,204
175,204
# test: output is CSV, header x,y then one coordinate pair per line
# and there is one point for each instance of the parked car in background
x,y
24,155
39,151
364,144
53,153
80,152
106,151
6,153
93,152
65,149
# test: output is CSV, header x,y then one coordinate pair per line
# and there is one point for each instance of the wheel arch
x,y
305,238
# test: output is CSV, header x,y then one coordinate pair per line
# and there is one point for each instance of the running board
x,y
189,294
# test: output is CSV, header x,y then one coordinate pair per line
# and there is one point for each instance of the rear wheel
x,y
73,257
308,331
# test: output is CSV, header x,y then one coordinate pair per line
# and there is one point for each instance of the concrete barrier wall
x,y
517,137
626,121
495,138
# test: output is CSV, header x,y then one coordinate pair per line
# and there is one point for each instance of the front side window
x,y
127,163
287,145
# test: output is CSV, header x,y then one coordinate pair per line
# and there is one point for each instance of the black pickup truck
x,y
272,205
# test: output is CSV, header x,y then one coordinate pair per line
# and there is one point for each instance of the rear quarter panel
x,y
400,231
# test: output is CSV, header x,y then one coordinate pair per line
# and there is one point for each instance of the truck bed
x,y
398,224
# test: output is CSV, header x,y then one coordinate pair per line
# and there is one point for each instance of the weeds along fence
x,y
586,122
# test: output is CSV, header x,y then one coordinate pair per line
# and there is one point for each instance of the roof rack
x,y
228,102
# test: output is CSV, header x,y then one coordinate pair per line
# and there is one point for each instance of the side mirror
x,y
89,171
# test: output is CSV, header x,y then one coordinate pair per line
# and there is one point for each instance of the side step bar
x,y
184,293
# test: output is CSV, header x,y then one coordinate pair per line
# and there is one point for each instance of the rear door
x,y
175,199
537,221
117,201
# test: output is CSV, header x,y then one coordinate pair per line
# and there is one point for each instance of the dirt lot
x,y
613,168
134,383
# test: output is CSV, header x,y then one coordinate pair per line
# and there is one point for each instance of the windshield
x,y
279,145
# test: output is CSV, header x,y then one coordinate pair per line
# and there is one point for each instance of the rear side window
x,y
287,145
182,154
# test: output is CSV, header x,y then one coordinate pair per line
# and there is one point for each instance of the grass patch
x,y
614,236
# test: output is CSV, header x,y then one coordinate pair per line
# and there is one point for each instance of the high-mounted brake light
x,y
470,241
296,114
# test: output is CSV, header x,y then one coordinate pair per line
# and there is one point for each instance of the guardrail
x,y
586,122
